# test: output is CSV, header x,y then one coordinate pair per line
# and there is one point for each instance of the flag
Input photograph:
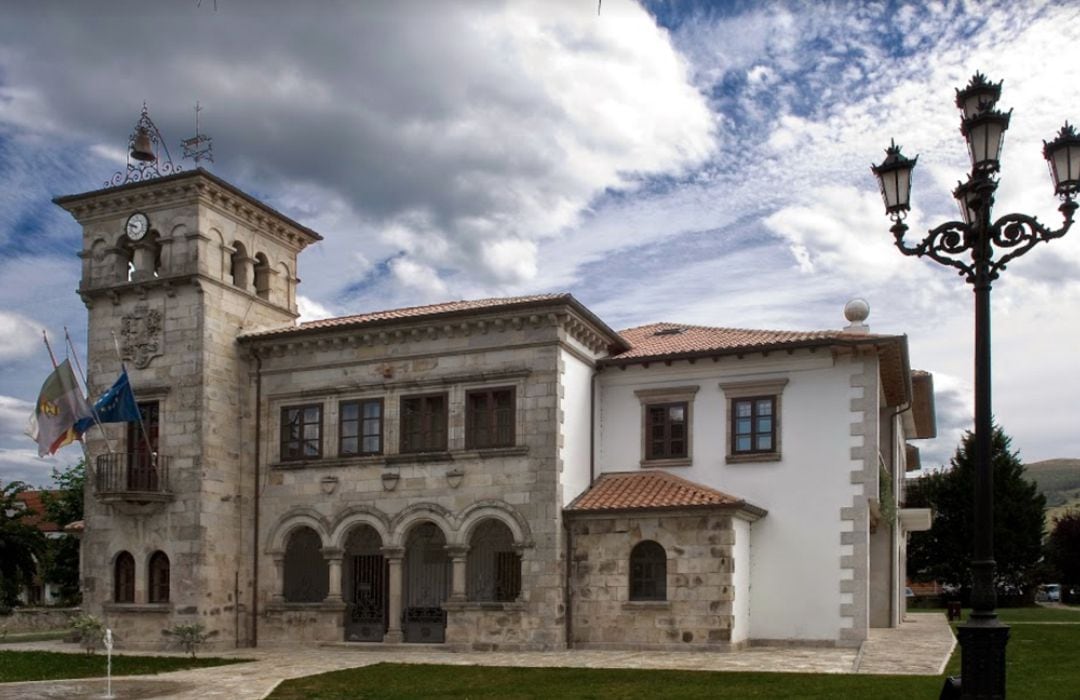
x,y
117,405
59,406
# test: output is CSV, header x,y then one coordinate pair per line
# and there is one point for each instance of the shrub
x,y
189,637
91,632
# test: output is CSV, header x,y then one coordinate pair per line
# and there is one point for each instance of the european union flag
x,y
117,405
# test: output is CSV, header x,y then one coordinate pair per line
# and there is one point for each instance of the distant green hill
x,y
1059,481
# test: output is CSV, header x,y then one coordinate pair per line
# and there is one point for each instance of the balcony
x,y
132,477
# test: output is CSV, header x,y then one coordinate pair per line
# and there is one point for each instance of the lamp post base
x,y
982,658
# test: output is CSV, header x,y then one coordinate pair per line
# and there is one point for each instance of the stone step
x,y
388,647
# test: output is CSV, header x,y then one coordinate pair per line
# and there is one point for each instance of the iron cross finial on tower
x,y
199,147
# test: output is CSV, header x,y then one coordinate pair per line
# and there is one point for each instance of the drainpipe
x,y
568,598
592,426
255,502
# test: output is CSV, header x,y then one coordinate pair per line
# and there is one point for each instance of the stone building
x,y
494,474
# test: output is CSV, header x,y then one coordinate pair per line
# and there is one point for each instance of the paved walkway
x,y
920,646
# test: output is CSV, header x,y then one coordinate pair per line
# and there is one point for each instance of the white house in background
x,y
491,474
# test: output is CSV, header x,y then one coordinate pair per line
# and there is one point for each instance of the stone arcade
x,y
493,474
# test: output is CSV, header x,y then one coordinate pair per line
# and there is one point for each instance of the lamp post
x,y
980,249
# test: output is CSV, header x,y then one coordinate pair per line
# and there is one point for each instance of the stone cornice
x,y
406,385
189,187
417,330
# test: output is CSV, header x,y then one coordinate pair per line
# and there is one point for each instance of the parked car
x,y
1049,592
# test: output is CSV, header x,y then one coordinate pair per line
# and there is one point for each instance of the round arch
x,y
475,514
359,515
422,512
292,519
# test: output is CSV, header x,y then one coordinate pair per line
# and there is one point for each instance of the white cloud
x,y
19,336
311,310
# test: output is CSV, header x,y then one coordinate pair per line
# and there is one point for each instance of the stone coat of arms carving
x,y
140,333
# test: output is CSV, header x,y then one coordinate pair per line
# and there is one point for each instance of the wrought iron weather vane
x,y
146,148
199,147
980,249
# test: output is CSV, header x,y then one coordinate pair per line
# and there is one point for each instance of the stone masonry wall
x,y
698,612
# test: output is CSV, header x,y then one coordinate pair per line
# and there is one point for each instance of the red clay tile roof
x,y
36,518
662,340
433,310
650,489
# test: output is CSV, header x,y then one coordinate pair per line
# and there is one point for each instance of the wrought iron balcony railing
x,y
134,476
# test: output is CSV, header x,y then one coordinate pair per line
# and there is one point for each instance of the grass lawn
x,y
51,665
32,636
1042,663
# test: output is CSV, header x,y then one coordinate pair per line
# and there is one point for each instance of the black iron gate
x,y
367,602
427,585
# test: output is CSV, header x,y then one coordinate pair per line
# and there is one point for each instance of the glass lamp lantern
x,y
1063,156
968,201
894,178
979,96
985,134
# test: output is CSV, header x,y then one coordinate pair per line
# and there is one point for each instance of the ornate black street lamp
x,y
980,249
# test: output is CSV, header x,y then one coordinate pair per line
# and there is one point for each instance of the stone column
x,y
458,556
394,558
333,557
145,254
278,595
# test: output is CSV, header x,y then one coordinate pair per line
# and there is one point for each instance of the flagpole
x,y
86,383
142,426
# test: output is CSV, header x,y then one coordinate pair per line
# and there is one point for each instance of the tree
x,y
64,506
944,552
20,544
1063,548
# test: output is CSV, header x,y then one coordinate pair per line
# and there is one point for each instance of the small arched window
x,y
124,578
307,576
262,276
493,568
648,572
158,590
239,264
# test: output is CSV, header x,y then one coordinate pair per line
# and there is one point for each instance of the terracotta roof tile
x,y
670,339
646,490
414,312
36,517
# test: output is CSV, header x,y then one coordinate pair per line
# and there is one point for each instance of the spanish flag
x,y
59,406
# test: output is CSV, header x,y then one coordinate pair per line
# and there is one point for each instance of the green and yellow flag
x,y
59,406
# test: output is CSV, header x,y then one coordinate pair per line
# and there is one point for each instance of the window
x,y
423,423
489,418
753,424
493,568
124,578
306,575
666,423
648,572
666,426
158,590
361,427
301,432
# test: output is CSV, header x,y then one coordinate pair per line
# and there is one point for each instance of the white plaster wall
x,y
796,564
740,626
575,425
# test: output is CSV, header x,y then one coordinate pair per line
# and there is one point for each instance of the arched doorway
x,y
427,585
364,585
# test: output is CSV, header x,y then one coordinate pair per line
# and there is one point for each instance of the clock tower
x,y
174,268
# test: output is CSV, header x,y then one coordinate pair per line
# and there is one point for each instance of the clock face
x,y
137,226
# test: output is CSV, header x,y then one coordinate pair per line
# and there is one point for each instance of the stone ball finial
x,y
857,310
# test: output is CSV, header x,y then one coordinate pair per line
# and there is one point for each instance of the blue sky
x,y
680,161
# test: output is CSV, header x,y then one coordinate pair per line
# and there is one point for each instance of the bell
x,y
142,148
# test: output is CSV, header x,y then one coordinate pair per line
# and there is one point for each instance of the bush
x,y
91,632
189,637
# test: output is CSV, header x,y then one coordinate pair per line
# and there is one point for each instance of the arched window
x,y
493,568
648,572
158,571
239,265
307,577
124,578
262,276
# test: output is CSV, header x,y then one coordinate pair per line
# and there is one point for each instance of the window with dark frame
x,y
124,578
753,425
489,418
423,423
142,440
666,426
360,428
648,571
158,590
301,432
